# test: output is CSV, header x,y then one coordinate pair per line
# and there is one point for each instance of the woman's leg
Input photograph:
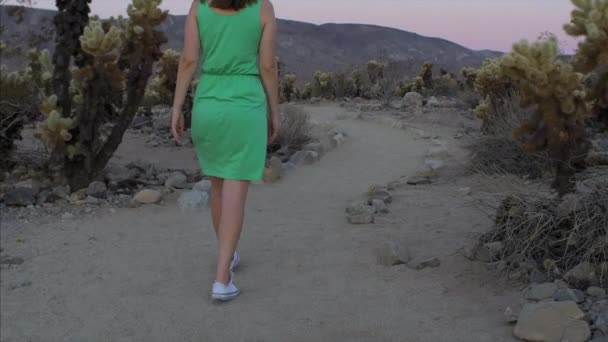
x,y
216,203
234,196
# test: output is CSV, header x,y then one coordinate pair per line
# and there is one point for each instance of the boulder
x,y
97,189
177,180
360,213
148,196
552,322
31,184
582,275
193,200
20,197
412,100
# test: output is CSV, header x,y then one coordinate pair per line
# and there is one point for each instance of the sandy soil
x,y
145,274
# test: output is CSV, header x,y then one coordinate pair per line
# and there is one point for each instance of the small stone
x,y
88,210
540,291
391,254
67,216
61,191
204,186
380,194
380,206
142,166
91,200
31,184
393,185
412,100
148,196
574,295
304,158
510,315
596,292
458,136
465,191
79,195
97,189
11,261
552,321
537,277
419,180
177,180
434,164
272,172
314,146
433,102
338,139
20,197
582,275
429,263
193,200
360,213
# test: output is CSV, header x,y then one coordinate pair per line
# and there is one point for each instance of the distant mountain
x,y
303,47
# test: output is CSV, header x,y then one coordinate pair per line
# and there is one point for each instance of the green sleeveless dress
x,y
229,116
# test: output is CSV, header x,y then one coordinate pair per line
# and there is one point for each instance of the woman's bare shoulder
x,y
267,6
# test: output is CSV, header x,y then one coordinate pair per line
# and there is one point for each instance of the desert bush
x,y
590,21
446,85
161,88
426,73
553,235
344,85
363,85
92,105
375,71
306,93
492,87
470,77
289,92
296,128
323,85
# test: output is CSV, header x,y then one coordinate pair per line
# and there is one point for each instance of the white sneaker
x,y
224,292
235,261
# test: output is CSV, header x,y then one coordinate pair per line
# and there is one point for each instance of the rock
x,y
31,184
286,167
204,186
573,295
97,189
433,102
20,197
596,292
272,172
142,166
465,191
315,100
44,197
380,194
568,206
314,146
79,195
582,275
177,180
599,338
429,263
394,185
120,176
304,158
148,196
380,206
412,100
489,252
338,139
88,210
391,254
92,200
552,322
510,315
439,152
67,216
458,136
537,277
61,191
540,291
419,180
193,200
598,313
434,164
360,213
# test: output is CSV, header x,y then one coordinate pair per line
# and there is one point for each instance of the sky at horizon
x,y
476,24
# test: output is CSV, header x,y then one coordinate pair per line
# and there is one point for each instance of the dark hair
x,y
230,4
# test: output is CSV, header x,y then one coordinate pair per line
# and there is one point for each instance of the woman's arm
x,y
268,66
187,66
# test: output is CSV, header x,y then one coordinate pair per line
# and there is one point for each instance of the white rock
x,y
177,180
193,200
204,186
360,213
433,102
148,196
413,100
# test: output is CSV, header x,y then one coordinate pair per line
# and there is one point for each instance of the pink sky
x,y
477,24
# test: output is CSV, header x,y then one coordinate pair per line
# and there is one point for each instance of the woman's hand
x,y
274,127
177,126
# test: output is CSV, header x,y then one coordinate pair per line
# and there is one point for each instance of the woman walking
x,y
235,113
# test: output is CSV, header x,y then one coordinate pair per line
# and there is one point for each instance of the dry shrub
x,y
498,151
296,128
553,235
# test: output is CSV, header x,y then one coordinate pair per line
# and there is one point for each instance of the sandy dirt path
x,y
144,274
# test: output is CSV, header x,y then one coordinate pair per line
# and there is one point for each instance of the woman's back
x,y
230,41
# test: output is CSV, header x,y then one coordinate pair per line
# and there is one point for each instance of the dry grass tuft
x,y
296,128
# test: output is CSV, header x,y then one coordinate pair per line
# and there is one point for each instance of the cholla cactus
x,y
590,20
375,71
405,87
288,88
344,85
557,93
493,87
470,77
427,75
362,84
418,85
162,87
446,85
306,92
54,131
323,85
